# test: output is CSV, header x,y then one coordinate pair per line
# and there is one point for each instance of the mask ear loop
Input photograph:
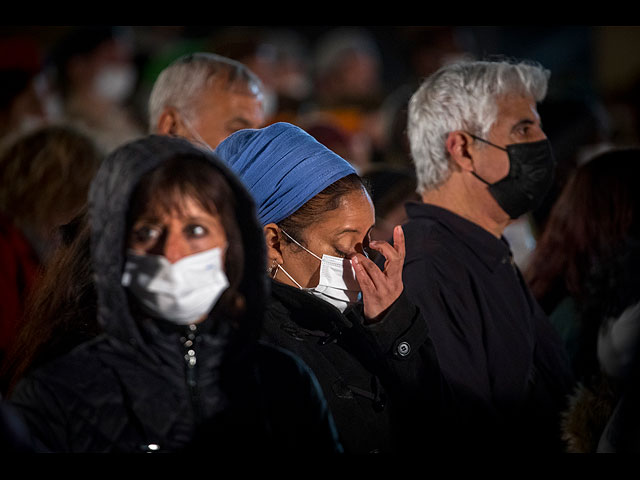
x,y
296,242
487,142
195,133
473,172
280,267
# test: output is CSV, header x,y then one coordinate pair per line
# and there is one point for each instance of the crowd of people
x,y
272,261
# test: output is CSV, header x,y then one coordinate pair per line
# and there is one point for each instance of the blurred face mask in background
x,y
181,292
115,82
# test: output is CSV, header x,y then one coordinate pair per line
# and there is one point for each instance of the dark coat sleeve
x,y
418,393
403,337
42,413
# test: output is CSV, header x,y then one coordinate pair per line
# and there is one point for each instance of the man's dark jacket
x,y
503,360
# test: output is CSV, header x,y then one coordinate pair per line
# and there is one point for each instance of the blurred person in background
x,y
25,91
353,148
60,312
392,186
44,181
280,57
249,46
618,352
424,49
584,273
292,76
96,75
205,97
348,90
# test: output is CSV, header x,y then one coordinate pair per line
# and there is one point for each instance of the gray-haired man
x,y
482,160
205,97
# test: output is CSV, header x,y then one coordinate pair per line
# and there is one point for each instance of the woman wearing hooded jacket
x,y
330,304
178,262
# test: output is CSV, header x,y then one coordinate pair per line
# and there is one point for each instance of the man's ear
x,y
459,147
274,246
169,122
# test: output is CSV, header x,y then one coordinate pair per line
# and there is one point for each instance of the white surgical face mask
x,y
338,284
180,292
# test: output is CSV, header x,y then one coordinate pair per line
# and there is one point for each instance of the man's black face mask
x,y
531,170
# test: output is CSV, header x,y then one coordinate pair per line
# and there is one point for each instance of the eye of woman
x,y
196,230
363,248
144,234
339,253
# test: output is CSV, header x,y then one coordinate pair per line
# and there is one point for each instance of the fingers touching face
x,y
342,232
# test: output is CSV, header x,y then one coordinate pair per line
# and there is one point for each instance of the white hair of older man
x,y
181,83
462,96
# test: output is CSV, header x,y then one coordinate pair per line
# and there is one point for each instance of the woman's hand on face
x,y
380,288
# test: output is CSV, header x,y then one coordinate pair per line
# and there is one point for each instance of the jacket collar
x,y
315,314
491,251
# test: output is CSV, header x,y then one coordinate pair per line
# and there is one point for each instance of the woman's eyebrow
x,y
351,230
147,218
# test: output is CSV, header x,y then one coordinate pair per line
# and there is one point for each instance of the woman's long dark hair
x,y
61,312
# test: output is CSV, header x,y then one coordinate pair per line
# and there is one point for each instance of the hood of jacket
x,y
109,198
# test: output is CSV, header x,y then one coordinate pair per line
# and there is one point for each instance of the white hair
x,y
181,83
462,96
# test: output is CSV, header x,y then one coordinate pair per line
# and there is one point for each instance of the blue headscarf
x,y
282,166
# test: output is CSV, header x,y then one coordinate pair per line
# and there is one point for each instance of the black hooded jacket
x,y
133,388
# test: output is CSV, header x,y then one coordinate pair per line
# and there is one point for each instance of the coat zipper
x,y
188,342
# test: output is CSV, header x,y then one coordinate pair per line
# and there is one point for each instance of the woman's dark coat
x,y
382,382
131,389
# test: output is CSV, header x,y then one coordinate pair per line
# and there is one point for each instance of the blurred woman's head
x,y
595,214
44,180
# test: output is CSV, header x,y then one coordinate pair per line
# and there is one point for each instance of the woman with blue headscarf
x,y
332,305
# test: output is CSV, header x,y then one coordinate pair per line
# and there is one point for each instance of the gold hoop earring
x,y
273,265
